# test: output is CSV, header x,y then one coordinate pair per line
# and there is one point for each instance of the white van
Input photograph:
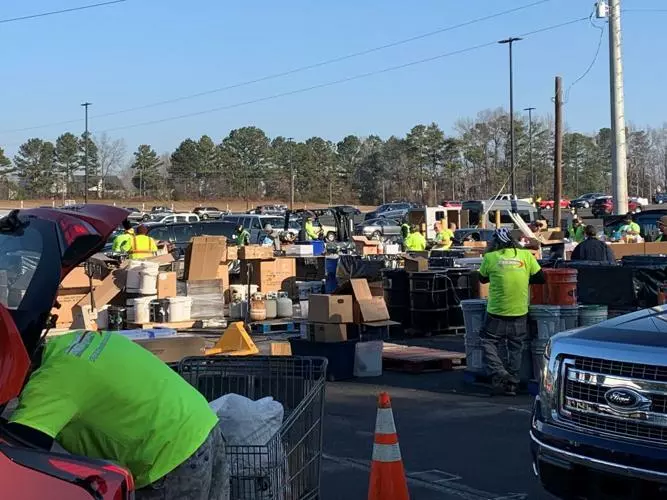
x,y
426,217
173,218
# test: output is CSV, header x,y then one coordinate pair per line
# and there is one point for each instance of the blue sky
x,y
143,51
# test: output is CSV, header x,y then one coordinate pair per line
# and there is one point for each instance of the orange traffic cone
x,y
387,472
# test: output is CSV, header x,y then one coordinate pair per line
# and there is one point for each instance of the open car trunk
x,y
38,248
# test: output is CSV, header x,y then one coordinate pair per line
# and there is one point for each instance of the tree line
x,y
425,165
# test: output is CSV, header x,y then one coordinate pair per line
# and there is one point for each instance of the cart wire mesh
x,y
288,466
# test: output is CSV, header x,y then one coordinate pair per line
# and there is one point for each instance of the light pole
x,y
85,154
510,41
530,149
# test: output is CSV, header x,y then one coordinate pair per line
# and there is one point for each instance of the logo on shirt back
x,y
511,263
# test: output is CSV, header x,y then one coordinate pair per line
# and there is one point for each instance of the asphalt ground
x,y
457,441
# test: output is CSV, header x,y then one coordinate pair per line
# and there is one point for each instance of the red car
x,y
452,204
38,248
549,204
605,206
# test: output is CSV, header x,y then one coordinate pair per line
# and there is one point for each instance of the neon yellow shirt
x,y
633,227
101,395
509,275
415,242
444,238
123,242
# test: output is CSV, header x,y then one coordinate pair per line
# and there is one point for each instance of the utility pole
x,y
510,41
85,153
558,152
291,174
530,150
619,155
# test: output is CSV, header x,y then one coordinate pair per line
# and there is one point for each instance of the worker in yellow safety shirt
x,y
445,236
143,246
630,229
509,269
100,395
576,231
123,242
311,232
415,242
242,236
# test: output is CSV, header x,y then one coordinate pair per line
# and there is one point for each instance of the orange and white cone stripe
x,y
387,473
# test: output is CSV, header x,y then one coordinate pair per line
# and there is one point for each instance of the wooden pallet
x,y
413,359
274,326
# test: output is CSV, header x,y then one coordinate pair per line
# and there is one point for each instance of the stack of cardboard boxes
x,y
338,317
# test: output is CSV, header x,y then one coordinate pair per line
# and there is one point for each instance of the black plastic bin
x,y
339,354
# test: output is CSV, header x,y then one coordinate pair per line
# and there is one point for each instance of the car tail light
x,y
129,480
73,229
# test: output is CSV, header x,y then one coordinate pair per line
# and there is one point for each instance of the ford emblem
x,y
623,399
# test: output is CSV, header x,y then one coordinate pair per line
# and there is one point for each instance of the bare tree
x,y
112,156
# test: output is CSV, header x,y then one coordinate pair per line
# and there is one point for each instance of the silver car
x,y
380,227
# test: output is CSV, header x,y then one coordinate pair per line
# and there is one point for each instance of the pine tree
x,y
146,168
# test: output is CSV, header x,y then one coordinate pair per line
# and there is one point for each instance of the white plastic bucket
x,y
368,359
547,319
180,309
592,315
142,310
142,277
103,318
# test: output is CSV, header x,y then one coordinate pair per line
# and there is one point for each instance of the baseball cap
x,y
663,220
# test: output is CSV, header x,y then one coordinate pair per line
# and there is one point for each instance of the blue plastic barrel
x,y
330,265
319,247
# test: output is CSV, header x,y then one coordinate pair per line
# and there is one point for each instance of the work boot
x,y
510,389
498,386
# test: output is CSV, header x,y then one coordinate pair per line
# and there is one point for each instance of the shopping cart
x,y
288,466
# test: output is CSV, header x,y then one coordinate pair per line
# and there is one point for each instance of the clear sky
x,y
144,51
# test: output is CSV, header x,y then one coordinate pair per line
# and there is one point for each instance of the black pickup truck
x,y
599,424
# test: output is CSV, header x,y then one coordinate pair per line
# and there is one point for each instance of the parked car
x,y
268,210
452,204
387,207
585,200
605,206
161,209
598,423
179,234
172,218
474,234
377,228
255,224
137,215
393,214
504,197
647,221
549,204
208,212
55,242
660,198
349,210
642,202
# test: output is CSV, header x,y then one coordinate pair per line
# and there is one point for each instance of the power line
x,y
293,71
62,11
342,80
590,66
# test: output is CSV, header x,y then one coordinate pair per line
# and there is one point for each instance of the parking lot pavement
x,y
456,440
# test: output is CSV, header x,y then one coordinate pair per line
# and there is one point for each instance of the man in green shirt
x,y
415,242
242,236
100,395
509,269
445,235
123,242
576,230
630,228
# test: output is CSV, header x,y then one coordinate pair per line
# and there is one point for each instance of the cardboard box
x,y
377,288
271,275
78,278
67,300
255,252
327,332
203,257
166,285
366,246
366,308
330,309
655,248
223,276
173,349
415,264
232,252
624,249
474,244
107,290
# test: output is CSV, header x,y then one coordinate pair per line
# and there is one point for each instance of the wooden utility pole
x,y
558,152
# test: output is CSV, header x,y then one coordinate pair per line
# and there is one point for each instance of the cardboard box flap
x,y
360,289
203,256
